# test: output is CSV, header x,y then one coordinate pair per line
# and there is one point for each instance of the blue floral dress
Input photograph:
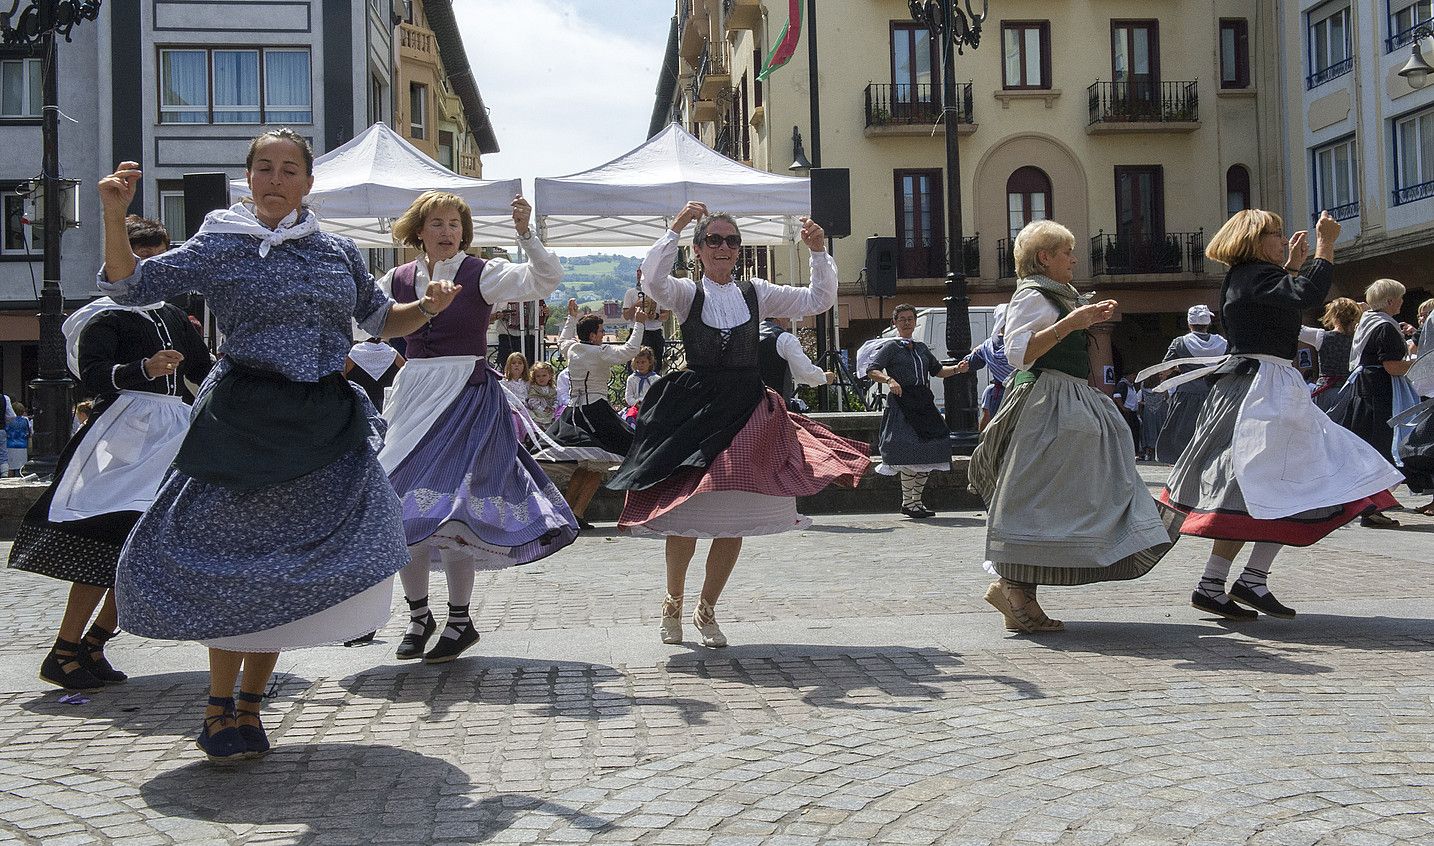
x,y
300,562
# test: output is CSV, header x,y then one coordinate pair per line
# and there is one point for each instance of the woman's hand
x,y
893,387
117,189
162,363
572,308
1299,250
641,316
1088,315
522,215
690,212
438,296
813,235
1327,228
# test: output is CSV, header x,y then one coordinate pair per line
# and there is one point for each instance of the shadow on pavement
x,y
833,676
332,788
1200,648
1385,634
573,689
162,704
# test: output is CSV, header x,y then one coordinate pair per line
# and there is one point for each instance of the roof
x,y
460,75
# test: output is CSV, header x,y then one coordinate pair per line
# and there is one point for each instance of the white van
x,y
931,331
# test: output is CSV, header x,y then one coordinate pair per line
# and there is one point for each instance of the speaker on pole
x,y
203,193
831,200
881,266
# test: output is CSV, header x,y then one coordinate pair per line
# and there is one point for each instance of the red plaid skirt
x,y
777,453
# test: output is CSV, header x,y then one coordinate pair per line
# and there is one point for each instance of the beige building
x,y
1360,141
1137,125
439,108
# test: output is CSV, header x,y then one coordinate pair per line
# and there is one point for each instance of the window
x,y
445,149
1234,53
1026,47
224,85
1405,16
1135,59
1335,174
1414,157
377,99
1330,55
1237,190
913,59
1028,198
21,239
919,222
417,110
171,208
20,95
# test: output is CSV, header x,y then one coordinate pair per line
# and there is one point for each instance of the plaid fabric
x,y
776,453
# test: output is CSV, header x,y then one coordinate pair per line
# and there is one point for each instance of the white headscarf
x,y
373,358
75,324
1199,315
239,219
1368,322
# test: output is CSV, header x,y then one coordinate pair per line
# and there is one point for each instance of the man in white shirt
x,y
652,332
783,362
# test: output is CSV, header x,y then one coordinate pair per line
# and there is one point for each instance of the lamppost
x,y
1417,69
954,30
36,27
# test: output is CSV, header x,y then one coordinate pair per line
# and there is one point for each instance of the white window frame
x,y
1409,15
1330,196
1423,165
1321,48
254,105
9,198
176,234
260,106
269,107
31,74
417,111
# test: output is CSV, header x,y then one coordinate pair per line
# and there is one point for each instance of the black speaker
x,y
831,200
203,193
881,266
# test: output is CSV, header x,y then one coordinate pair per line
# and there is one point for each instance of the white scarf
x,y
1368,322
75,324
1200,344
239,219
373,359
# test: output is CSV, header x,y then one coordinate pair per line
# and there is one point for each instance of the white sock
x,y
1257,571
1212,583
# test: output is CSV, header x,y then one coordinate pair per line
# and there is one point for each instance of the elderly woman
x,y
1186,400
276,528
1066,505
717,454
135,361
1267,466
471,497
1333,342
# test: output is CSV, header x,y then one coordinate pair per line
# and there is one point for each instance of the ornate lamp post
x,y
36,26
954,30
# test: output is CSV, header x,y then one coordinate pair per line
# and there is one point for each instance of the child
x,y
17,440
643,374
542,394
515,377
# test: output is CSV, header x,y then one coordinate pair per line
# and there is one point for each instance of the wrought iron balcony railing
x,y
907,104
1323,75
1006,258
1173,252
1144,101
1344,212
1410,193
1404,37
971,256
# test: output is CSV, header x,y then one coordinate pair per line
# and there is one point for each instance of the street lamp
x,y
1417,69
36,27
954,30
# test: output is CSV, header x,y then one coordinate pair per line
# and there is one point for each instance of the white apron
x,y
423,390
123,458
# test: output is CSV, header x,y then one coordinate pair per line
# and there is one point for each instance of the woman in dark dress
x,y
1333,343
1379,354
135,362
373,365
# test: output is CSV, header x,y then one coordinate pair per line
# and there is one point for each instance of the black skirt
x,y
686,419
1369,410
592,425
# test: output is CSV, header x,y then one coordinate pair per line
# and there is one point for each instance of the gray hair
x,y
701,231
1382,293
1039,235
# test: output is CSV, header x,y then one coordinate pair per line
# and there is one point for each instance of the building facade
x,y
1361,141
1139,126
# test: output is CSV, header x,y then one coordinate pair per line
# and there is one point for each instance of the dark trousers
x,y
654,338
508,344
1132,419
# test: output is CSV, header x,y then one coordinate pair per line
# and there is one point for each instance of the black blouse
x,y
115,344
1262,305
1384,344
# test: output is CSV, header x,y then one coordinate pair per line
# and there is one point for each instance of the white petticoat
x,y
358,615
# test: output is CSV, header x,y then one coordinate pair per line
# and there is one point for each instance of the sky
x,y
569,84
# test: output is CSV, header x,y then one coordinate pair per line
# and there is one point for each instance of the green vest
x,y
1069,355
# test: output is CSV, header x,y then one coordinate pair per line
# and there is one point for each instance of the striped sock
x,y
418,615
458,621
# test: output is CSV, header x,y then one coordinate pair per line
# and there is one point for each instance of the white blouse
x,y
1030,311
502,281
590,365
723,306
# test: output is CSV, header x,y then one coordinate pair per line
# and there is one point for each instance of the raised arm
x,y
804,371
666,290
569,334
504,281
792,301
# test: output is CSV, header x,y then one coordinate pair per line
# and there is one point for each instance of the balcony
x,y
468,164
907,109
1144,106
927,260
712,76
1347,211
971,256
1320,77
692,26
417,42
741,14
1006,258
1173,252
1404,37
1422,191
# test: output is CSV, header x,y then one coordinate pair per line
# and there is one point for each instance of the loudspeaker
x,y
831,200
881,266
203,193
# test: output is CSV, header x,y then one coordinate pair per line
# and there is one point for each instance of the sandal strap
x,y
246,696
98,634
64,647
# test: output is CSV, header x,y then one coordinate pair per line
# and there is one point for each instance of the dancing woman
x,y
1183,406
717,454
135,362
1266,465
1066,505
276,527
1334,342
471,496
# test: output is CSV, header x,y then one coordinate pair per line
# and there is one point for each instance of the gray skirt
x,y
1182,412
1056,470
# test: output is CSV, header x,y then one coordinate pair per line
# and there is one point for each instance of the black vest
x,y
722,349
776,373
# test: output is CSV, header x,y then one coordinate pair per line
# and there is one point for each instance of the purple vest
x,y
461,329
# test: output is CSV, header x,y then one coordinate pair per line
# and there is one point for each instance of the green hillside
x,y
595,278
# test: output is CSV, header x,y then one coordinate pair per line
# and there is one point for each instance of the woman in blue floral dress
x,y
276,528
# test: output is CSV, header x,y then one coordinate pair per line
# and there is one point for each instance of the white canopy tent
x,y
361,187
630,200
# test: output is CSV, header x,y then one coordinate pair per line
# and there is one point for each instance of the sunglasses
x,y
713,240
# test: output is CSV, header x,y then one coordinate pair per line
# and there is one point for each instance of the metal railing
x,y
971,256
1006,258
1344,212
1173,252
1144,101
1410,193
1323,75
1404,37
907,104
700,70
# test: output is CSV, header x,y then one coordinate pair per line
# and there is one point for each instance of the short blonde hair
x,y
1341,313
1238,241
410,223
1382,293
1425,308
541,367
1039,235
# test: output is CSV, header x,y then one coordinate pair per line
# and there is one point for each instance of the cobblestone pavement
x,y
870,696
